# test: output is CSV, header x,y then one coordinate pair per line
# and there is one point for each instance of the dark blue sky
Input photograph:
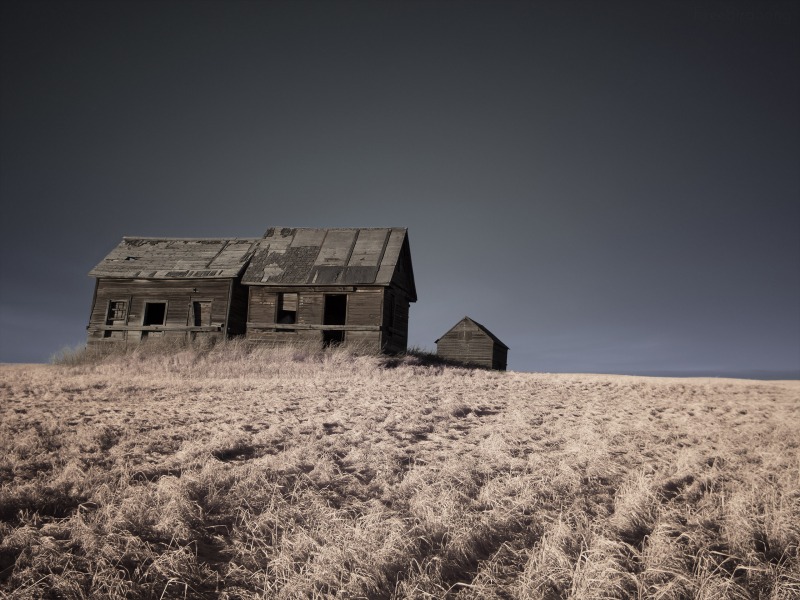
x,y
608,187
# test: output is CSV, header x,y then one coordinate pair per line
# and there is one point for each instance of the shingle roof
x,y
352,256
172,258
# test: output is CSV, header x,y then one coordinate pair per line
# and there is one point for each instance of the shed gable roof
x,y
340,256
472,324
176,258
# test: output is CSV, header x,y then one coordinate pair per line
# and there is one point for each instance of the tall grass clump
x,y
225,358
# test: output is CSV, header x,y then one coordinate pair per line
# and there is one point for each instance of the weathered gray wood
x,y
315,327
471,343
328,256
233,286
336,248
368,248
158,328
178,295
170,258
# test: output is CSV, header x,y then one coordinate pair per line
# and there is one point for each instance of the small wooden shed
x,y
335,286
168,287
470,343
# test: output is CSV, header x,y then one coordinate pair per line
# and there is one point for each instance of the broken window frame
x,y
115,312
283,315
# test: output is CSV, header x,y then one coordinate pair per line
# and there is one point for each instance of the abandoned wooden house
x,y
469,342
334,286
182,288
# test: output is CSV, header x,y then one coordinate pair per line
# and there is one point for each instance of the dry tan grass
x,y
290,473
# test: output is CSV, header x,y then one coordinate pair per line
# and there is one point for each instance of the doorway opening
x,y
335,309
335,314
155,313
201,313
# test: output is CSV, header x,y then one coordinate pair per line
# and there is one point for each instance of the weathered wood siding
x,y
499,358
467,344
262,312
362,324
262,306
403,275
395,321
178,296
364,307
311,309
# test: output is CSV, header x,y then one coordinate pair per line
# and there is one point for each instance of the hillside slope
x,y
285,474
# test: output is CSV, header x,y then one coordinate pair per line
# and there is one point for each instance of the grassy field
x,y
298,474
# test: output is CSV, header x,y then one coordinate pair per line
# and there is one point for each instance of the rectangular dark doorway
x,y
335,309
335,314
154,314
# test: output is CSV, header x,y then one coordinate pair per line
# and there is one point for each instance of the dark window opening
x,y
154,313
201,314
335,309
287,308
332,338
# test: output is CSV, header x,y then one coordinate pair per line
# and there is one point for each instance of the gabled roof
x,y
342,256
467,322
176,258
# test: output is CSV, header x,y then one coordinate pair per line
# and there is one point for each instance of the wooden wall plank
x,y
364,307
177,294
469,344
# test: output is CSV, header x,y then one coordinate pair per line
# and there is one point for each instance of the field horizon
x,y
747,374
288,473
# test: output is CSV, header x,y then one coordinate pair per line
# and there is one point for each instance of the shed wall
x,y
467,344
